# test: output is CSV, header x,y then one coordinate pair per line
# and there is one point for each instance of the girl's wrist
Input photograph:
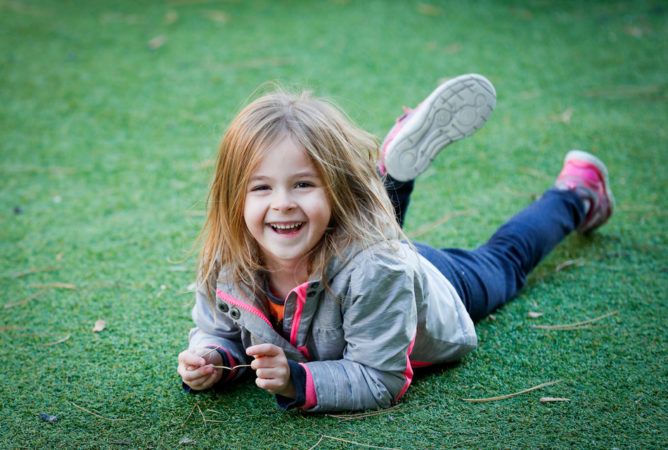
x,y
289,391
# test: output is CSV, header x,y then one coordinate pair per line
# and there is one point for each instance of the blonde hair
x,y
345,157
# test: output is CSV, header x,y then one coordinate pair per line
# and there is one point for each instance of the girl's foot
x,y
456,109
588,177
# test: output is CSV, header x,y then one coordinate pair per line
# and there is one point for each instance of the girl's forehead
x,y
282,154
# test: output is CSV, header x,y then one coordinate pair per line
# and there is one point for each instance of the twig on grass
x,y
191,413
568,263
231,368
576,325
94,413
200,412
514,394
345,417
33,270
59,341
426,228
554,399
55,285
23,301
324,436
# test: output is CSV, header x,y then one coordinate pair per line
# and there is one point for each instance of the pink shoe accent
x,y
588,177
398,125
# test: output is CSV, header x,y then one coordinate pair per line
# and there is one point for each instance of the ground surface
x,y
110,117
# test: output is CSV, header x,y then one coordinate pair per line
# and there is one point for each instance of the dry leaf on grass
x,y
563,117
99,326
187,441
48,417
429,10
157,42
534,314
554,399
171,17
217,16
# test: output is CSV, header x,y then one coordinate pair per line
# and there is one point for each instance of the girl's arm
x,y
379,323
216,331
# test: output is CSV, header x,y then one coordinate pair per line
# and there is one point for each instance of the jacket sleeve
x,y
379,324
215,330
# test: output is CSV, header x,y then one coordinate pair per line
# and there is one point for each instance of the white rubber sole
x,y
455,110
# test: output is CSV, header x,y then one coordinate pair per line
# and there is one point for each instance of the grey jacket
x,y
386,311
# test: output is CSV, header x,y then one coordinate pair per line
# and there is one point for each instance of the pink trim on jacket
x,y
420,364
304,351
238,303
299,307
408,373
311,395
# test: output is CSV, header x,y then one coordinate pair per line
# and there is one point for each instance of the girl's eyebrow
x,y
302,174
305,174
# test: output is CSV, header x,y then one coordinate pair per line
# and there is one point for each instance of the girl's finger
x,y
189,358
263,350
200,372
268,385
272,373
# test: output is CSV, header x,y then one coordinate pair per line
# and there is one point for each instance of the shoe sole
x,y
591,159
455,110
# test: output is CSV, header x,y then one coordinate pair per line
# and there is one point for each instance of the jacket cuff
x,y
298,378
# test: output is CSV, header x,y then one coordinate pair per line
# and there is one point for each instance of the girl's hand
x,y
272,369
196,368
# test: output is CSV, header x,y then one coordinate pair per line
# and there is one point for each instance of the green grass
x,y
107,150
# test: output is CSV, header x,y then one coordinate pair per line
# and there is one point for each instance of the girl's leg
x,y
400,194
493,274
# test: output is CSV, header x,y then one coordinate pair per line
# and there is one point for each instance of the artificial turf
x,y
110,116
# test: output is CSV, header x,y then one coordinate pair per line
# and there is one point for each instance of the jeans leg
x,y
493,274
400,195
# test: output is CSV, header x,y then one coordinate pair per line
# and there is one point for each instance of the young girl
x,y
306,277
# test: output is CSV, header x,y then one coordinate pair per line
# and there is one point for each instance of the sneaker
x,y
456,109
587,175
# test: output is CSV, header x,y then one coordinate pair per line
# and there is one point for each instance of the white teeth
x,y
286,227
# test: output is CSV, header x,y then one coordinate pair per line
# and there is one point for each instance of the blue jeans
x,y
493,274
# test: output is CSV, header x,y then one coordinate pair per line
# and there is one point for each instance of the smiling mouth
x,y
285,228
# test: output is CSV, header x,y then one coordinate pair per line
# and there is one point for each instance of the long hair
x,y
345,157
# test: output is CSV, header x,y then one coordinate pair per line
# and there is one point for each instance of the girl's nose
x,y
282,201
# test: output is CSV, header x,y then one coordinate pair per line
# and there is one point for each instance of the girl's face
x,y
287,209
